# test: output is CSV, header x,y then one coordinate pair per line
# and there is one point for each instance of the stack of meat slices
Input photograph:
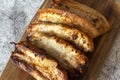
x,y
56,44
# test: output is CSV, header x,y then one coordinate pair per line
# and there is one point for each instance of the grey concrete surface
x,y
15,15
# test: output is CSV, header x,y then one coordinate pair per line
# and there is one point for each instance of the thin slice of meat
x,y
76,37
64,17
66,55
37,63
94,17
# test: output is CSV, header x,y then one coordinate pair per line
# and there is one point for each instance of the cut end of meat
x,y
37,63
66,55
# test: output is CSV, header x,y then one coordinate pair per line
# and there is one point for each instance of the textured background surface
x,y
15,15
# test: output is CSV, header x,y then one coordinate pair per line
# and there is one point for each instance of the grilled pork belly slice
x,y
64,17
76,37
94,17
27,67
66,55
37,63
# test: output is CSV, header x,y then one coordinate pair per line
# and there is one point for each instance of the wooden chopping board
x,y
111,10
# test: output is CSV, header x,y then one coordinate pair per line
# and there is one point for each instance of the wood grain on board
x,y
111,10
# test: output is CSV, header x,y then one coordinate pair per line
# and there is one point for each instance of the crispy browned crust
x,y
76,37
27,67
66,55
95,18
64,17
37,63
